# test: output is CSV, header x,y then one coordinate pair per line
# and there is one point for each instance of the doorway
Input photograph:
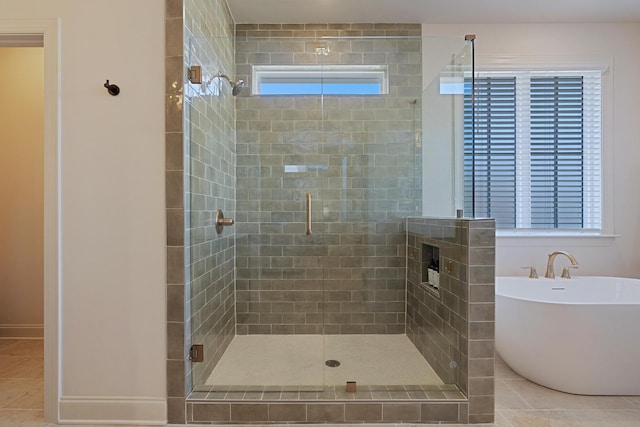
x,y
22,227
44,35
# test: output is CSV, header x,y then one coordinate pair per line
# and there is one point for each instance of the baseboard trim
x,y
113,410
25,331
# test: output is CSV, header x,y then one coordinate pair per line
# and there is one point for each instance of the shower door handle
x,y
308,203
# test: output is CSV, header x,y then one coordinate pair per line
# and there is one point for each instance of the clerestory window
x,y
319,80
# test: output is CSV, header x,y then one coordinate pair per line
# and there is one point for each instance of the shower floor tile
x,y
299,360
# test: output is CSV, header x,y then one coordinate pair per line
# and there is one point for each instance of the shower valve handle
x,y
222,222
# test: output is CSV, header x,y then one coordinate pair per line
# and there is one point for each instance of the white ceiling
x,y
434,11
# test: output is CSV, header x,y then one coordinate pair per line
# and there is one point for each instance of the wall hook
x,y
113,90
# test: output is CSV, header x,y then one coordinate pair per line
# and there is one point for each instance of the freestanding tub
x,y
579,335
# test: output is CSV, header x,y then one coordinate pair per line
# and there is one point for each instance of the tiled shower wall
x,y
360,156
177,381
200,178
456,322
209,181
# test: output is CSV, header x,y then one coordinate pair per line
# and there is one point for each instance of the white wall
x,y
619,43
112,251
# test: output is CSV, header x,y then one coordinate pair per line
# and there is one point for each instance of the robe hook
x,y
113,90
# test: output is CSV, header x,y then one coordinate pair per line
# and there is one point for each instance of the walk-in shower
x,y
318,315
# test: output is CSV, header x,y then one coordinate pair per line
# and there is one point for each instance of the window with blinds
x,y
535,160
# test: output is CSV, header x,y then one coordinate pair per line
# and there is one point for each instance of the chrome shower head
x,y
236,87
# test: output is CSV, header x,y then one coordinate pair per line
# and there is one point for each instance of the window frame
x,y
568,63
323,73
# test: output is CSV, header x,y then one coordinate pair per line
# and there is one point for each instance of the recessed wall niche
x,y
430,266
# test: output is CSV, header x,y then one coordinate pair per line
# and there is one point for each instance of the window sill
x,y
546,238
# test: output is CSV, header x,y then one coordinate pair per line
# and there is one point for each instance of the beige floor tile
x,y
22,348
7,362
11,389
6,342
22,418
502,370
24,367
534,418
501,420
634,400
410,425
506,396
607,418
573,418
544,398
32,396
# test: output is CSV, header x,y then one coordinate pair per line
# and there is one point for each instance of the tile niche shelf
x,y
429,266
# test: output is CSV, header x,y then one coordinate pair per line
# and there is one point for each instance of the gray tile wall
x,y
194,189
209,181
363,184
456,322
177,381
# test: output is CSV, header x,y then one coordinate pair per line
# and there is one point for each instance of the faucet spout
x,y
552,257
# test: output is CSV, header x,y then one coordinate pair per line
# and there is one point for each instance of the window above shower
x,y
320,80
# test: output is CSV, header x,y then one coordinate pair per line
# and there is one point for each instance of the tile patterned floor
x,y
21,382
519,403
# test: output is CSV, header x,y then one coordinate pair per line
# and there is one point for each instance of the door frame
x,y
49,29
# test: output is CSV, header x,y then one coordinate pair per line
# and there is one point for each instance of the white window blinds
x,y
535,161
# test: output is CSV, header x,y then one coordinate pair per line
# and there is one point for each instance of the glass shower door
x,y
281,243
209,188
373,141
256,288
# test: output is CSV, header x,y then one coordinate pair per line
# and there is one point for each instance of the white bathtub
x,y
578,335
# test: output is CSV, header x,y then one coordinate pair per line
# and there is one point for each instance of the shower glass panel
x,y
281,252
445,74
307,290
371,189
209,187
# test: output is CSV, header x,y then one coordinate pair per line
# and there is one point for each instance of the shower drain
x,y
332,363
